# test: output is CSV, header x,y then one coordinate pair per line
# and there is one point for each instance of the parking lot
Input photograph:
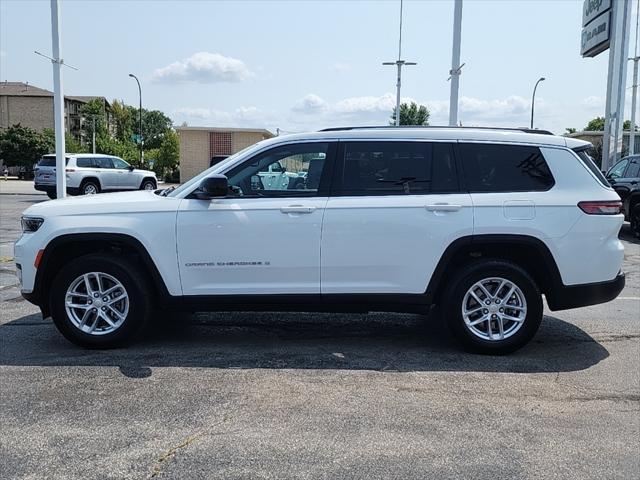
x,y
272,395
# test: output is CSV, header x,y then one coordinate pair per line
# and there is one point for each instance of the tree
x,y
23,146
595,125
123,120
570,130
94,109
411,114
168,157
154,125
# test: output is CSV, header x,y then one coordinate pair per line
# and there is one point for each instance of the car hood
x,y
147,173
105,203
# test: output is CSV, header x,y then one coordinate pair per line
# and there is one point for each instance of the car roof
x,y
472,134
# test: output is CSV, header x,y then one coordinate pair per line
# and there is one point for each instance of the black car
x,y
624,177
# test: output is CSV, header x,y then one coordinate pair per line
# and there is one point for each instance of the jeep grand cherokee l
x,y
482,222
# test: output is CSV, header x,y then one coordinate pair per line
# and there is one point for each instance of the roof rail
x,y
376,127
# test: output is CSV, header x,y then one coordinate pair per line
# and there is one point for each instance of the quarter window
x,y
504,168
397,168
286,171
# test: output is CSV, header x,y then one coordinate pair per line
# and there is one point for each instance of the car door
x,y
395,208
257,240
623,176
126,178
106,173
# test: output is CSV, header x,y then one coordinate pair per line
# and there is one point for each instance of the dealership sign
x,y
596,16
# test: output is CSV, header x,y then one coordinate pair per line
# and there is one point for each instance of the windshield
x,y
175,191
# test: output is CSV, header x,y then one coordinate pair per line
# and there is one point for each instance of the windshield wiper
x,y
167,191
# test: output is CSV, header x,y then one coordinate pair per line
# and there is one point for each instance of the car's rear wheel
x,y
100,301
52,194
148,185
634,220
493,307
89,187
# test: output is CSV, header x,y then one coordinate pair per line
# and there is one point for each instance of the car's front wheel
x,y
493,307
148,185
100,301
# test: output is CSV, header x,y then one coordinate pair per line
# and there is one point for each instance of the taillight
x,y
601,208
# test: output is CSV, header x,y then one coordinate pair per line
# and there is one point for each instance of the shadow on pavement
x,y
378,342
627,235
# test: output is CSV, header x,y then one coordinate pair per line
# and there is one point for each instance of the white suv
x,y
482,222
90,173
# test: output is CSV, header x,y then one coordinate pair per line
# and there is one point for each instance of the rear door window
x,y
634,168
504,168
103,162
396,168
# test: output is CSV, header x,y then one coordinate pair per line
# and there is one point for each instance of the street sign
x,y
136,138
595,36
596,31
593,8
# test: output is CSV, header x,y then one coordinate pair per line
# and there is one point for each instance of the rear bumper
x,y
574,296
45,187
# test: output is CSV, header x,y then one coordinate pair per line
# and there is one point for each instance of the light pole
x,y
533,98
400,63
141,139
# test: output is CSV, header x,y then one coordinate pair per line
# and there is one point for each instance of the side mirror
x,y
215,186
131,168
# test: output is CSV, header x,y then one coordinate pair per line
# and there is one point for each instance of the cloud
x,y
310,104
204,67
240,117
594,102
340,67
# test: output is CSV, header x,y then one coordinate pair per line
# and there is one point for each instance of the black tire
x,y
146,182
89,187
634,220
464,279
52,195
132,279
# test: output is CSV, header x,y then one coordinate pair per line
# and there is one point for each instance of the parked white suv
x,y
90,173
482,222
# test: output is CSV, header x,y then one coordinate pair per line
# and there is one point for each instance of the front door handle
x,y
297,209
443,207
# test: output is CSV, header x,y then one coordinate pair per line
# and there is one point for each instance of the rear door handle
x,y
297,209
443,207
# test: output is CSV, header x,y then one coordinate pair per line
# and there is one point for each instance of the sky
x,y
304,65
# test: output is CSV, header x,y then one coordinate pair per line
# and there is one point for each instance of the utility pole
x,y
634,88
399,63
93,136
58,101
456,68
141,138
533,98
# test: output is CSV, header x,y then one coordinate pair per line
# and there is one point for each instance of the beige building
x,y
29,106
595,137
198,145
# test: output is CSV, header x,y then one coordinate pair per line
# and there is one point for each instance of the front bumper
x,y
574,296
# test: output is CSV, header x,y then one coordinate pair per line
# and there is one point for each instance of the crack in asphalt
x,y
170,454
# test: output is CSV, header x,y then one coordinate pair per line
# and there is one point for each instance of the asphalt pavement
x,y
273,395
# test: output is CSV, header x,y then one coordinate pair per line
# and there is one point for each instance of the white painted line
x,y
628,298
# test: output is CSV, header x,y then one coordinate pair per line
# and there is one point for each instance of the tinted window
x,y
85,162
634,168
103,162
289,170
396,168
504,168
50,161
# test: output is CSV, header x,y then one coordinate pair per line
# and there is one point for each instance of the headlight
x,y
31,224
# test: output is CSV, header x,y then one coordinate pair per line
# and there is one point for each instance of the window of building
x,y
504,168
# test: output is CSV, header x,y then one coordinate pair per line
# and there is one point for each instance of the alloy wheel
x,y
494,309
97,303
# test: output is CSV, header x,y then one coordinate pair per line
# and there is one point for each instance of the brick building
x,y
198,145
33,107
